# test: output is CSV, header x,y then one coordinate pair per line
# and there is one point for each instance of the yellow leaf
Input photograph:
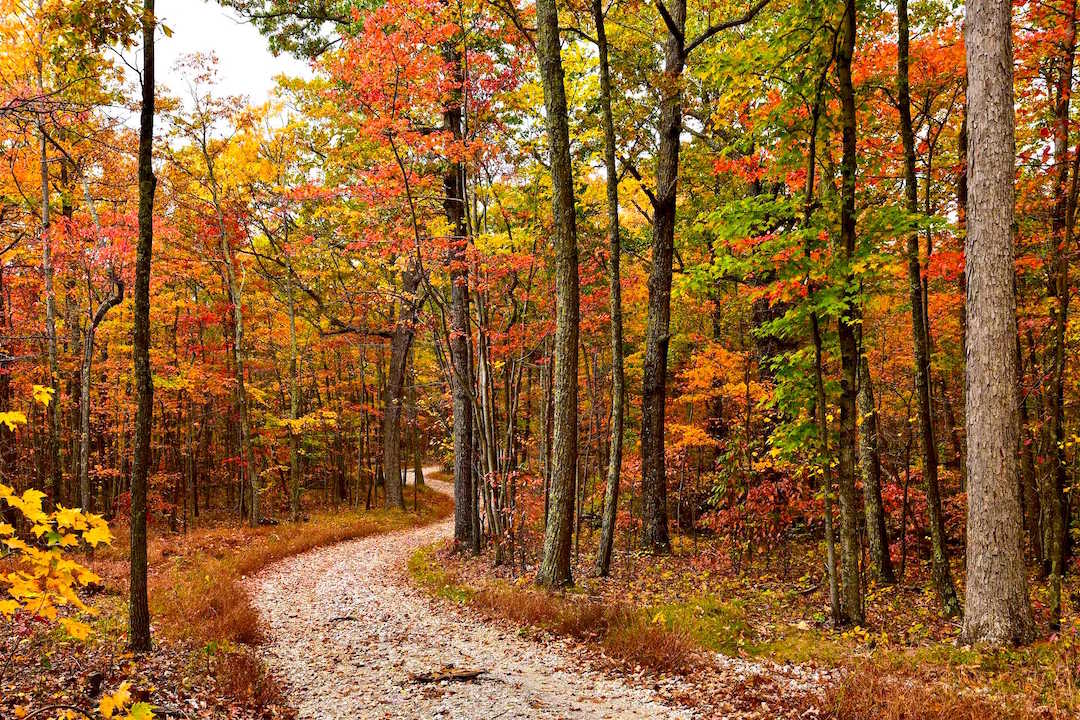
x,y
11,419
76,629
43,395
97,535
106,706
141,711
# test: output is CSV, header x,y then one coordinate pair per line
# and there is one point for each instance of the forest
x,y
541,359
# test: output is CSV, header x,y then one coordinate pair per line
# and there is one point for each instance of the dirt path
x,y
347,629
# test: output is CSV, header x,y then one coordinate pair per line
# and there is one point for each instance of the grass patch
x,y
625,633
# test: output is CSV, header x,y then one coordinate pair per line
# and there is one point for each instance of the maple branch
x,y
726,25
632,169
672,26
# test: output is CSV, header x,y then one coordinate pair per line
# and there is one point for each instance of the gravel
x,y
348,630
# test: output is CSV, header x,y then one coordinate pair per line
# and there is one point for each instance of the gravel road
x,y
348,629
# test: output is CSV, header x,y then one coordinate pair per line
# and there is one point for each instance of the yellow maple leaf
x,y
97,535
12,419
76,629
42,394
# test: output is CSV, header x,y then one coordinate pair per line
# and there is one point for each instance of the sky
x,y
246,65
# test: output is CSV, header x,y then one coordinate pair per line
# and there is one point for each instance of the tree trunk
x,y
460,331
139,610
877,537
920,333
1029,492
249,477
295,487
114,299
555,565
997,610
53,411
654,531
395,387
618,380
851,583
1058,292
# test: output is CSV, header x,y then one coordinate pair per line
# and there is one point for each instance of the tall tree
x,y
654,533
618,379
55,469
138,608
996,607
920,333
851,580
1054,500
555,564
460,358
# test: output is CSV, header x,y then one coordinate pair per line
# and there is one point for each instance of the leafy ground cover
x,y
205,629
670,613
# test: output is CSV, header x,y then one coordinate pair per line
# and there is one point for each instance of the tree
x,y
920,332
664,199
618,378
558,533
996,606
138,605
851,582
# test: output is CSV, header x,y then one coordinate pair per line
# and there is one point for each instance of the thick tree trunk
x,y
877,537
138,609
555,564
851,581
920,333
997,610
654,531
618,379
400,344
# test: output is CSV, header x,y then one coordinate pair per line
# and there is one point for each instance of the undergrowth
x,y
625,633
880,677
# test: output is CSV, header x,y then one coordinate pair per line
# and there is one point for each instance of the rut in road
x,y
347,629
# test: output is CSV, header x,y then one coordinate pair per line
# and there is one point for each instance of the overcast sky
x,y
246,65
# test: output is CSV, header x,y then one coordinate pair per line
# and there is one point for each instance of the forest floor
x,y
756,641
204,662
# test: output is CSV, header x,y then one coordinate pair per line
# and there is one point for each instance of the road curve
x,y
347,629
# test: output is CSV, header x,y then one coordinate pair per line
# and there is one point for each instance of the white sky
x,y
245,64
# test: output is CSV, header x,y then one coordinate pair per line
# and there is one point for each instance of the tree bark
x,y
654,531
138,609
395,386
555,568
877,538
618,379
996,608
851,582
460,356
